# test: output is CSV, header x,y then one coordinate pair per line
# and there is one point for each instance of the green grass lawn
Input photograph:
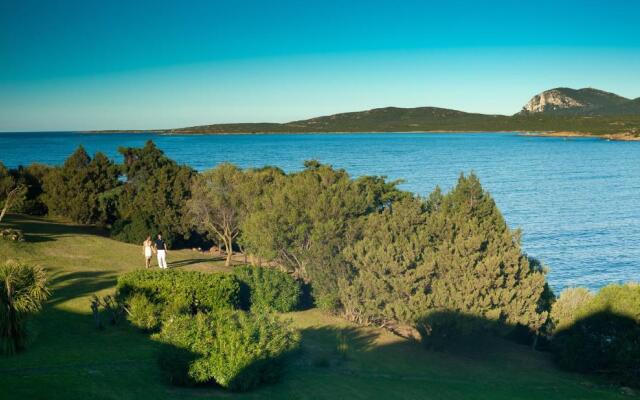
x,y
70,359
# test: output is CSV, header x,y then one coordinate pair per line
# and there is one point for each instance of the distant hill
x,y
587,101
581,111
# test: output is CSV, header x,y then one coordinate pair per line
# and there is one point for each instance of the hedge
x,y
196,291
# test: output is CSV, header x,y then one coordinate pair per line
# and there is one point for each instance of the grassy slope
x,y
69,359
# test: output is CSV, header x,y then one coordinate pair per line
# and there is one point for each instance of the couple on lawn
x,y
159,247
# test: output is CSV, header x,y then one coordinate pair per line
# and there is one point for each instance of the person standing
x,y
161,250
147,250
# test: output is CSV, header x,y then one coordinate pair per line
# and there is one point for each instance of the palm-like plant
x,y
23,288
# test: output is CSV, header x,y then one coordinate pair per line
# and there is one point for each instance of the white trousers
x,y
162,259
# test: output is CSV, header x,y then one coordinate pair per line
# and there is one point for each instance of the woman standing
x,y
147,250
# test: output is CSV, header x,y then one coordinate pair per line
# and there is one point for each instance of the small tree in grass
x,y
217,204
23,288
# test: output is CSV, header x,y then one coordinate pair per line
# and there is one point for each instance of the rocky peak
x,y
551,100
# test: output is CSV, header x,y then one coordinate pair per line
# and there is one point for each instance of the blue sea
x,y
576,200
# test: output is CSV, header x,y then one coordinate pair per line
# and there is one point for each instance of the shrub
x,y
604,335
564,310
196,291
23,288
235,349
269,289
142,312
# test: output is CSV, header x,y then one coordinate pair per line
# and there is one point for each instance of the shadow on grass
x,y
38,229
79,284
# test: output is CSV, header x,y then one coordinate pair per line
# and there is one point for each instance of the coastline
x,y
618,137
622,136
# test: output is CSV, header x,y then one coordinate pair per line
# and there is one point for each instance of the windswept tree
x,y
445,265
75,189
12,193
479,267
23,288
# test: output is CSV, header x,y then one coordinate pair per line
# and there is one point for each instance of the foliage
x,y
220,200
12,192
391,272
75,189
479,268
565,309
23,289
32,178
305,220
153,197
195,291
422,263
604,335
142,313
112,306
237,350
269,289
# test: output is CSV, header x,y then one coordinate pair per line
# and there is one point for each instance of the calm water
x,y
577,201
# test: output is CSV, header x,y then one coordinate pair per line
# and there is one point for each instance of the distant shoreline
x,y
623,136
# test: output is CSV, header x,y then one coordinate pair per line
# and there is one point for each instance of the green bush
x,y
604,335
142,312
191,290
565,310
235,349
269,289
23,289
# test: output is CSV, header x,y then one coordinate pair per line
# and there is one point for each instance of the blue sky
x,y
89,64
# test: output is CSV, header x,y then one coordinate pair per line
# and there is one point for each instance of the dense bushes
x,y
23,288
448,266
76,189
304,221
153,197
603,334
268,289
206,338
235,349
190,290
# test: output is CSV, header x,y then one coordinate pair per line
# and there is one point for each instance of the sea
x,y
576,200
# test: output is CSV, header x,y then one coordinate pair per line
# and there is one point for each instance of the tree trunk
x,y
7,202
228,246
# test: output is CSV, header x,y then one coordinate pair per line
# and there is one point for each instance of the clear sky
x,y
111,64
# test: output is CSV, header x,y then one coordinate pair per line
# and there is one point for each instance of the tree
x,y
479,267
219,203
305,220
445,265
11,192
153,196
391,274
75,189
23,288
602,335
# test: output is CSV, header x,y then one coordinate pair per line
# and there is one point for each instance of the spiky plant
x,y
23,288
